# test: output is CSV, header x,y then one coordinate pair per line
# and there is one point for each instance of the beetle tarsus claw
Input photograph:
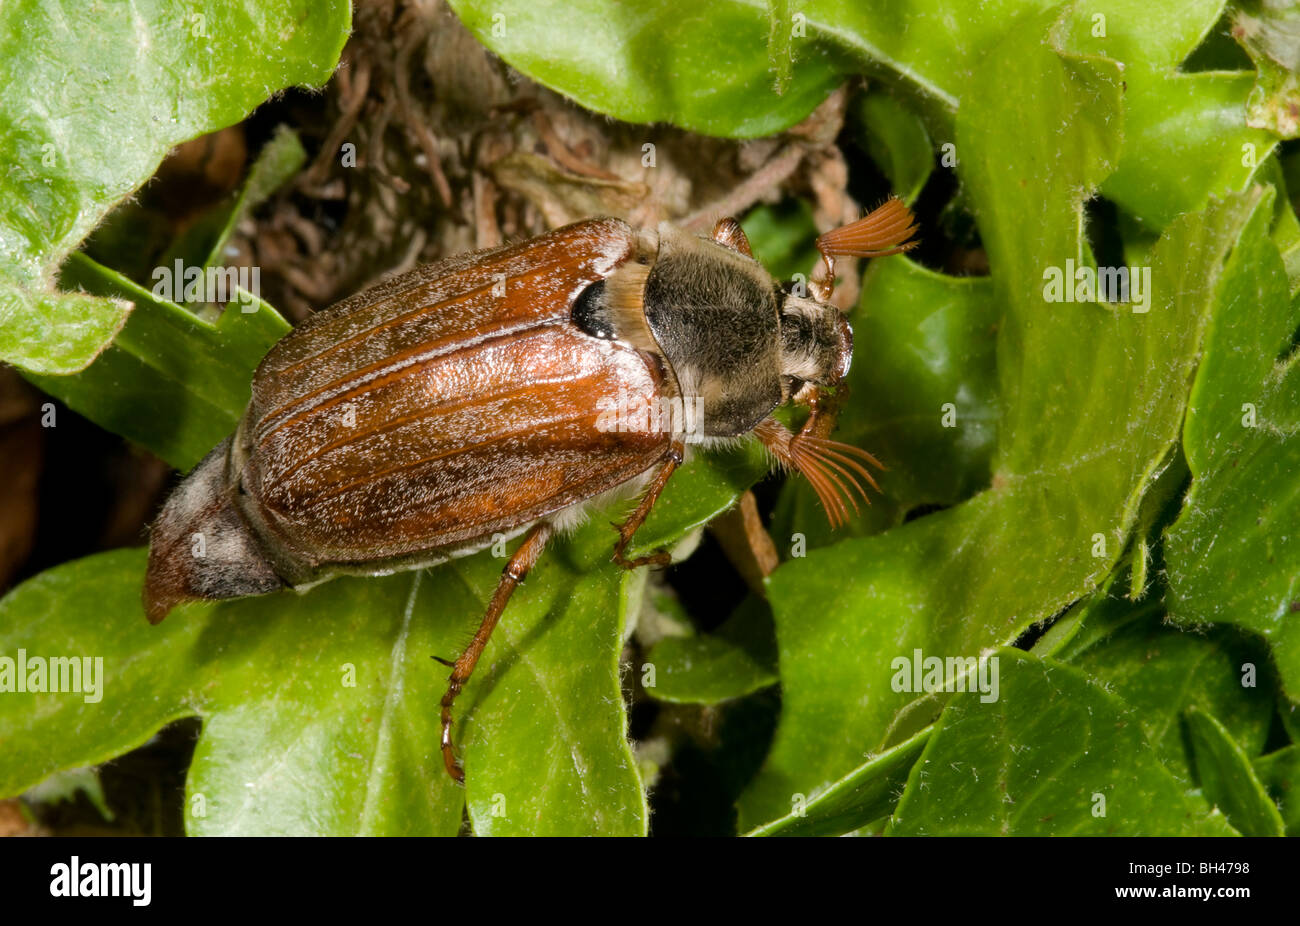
x,y
449,760
658,558
454,770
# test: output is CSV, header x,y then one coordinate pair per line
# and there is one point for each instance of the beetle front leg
x,y
672,460
823,409
516,569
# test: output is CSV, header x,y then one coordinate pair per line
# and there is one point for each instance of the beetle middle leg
x,y
515,570
673,459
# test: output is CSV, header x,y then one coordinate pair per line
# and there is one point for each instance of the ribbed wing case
x,y
444,406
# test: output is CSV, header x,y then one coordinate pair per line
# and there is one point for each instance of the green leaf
x,y
1289,712
735,660
288,745
97,95
1270,33
1227,778
779,37
1286,226
321,710
1234,554
896,138
1280,773
1186,140
1074,457
1186,136
866,794
277,163
171,382
1158,508
707,68
1163,672
74,327
1055,754
545,742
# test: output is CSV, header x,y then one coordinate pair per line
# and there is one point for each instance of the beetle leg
x,y
822,286
885,230
672,460
823,409
832,468
523,560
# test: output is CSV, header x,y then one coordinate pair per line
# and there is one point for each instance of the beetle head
x,y
816,340
816,343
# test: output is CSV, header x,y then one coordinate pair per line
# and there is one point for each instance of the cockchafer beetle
x,y
462,401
